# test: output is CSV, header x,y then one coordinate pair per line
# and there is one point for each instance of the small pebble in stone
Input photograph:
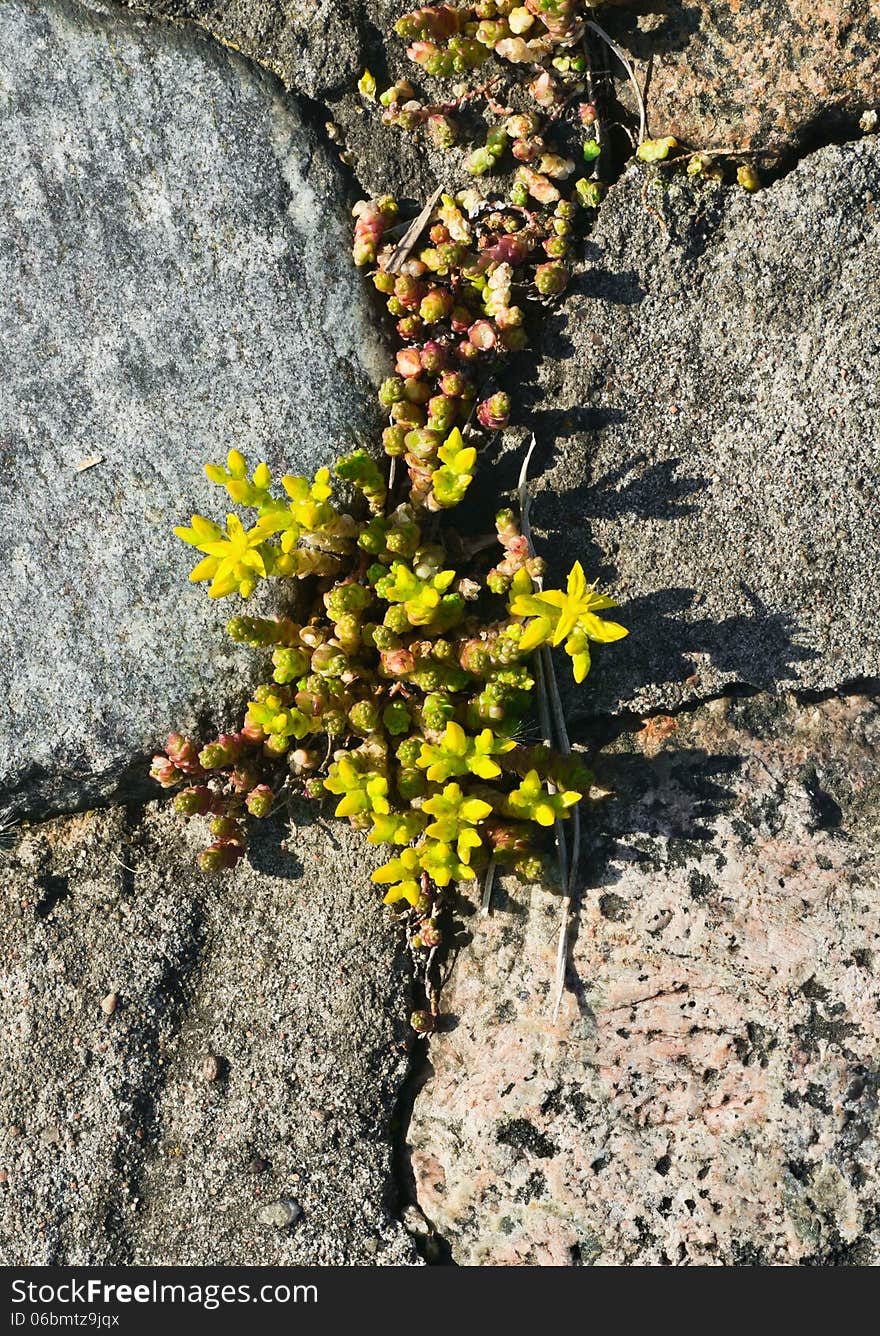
x,y
414,1222
211,1068
109,1003
257,1166
13,1131
4,1176
279,1214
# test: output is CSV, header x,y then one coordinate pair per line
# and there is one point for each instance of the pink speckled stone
x,y
709,1094
749,74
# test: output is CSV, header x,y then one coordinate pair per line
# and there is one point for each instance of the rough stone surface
x,y
745,74
708,420
119,1141
710,1093
174,280
771,75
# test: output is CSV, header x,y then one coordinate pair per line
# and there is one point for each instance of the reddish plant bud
x,y
430,934
410,327
494,412
244,777
252,734
588,113
183,753
510,250
259,801
220,856
507,837
466,352
409,291
397,662
526,150
301,760
460,318
453,384
164,772
482,335
409,362
435,357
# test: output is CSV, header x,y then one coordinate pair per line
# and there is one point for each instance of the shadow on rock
x,y
758,648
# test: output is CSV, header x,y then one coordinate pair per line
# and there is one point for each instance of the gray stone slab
x,y
175,279
708,416
252,1053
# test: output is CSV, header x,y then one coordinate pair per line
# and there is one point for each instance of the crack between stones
x,y
432,1246
132,788
603,728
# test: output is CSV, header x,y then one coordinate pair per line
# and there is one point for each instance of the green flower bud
x,y
436,305
393,439
329,661
442,131
408,751
196,801
227,828
289,664
437,710
422,1022
396,718
442,413
390,391
589,193
364,717
411,783
217,755
220,856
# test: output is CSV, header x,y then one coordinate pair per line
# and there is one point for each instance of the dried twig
x,y
552,717
488,883
411,235
622,57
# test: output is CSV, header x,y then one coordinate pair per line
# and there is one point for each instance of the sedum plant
x,y
398,686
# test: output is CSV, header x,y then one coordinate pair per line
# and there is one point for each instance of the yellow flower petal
x,y
600,630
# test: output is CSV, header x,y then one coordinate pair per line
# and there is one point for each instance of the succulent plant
x,y
400,685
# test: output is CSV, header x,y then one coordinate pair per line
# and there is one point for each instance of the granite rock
x,y
175,279
708,427
709,1094
776,76
253,1059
